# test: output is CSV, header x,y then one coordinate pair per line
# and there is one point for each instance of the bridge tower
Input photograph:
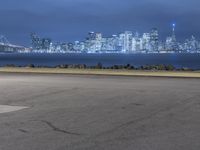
x,y
4,40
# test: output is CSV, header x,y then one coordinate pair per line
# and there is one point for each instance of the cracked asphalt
x,y
68,112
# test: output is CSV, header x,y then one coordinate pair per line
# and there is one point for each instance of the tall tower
x,y
173,32
174,45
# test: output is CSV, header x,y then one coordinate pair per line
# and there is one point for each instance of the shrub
x,y
31,66
99,66
169,67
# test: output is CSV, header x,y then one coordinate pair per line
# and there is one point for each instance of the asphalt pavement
x,y
66,112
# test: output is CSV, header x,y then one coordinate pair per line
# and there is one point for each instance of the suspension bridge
x,y
7,47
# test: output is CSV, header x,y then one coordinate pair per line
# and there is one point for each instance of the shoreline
x,y
104,72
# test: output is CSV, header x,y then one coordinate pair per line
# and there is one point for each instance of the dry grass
x,y
192,74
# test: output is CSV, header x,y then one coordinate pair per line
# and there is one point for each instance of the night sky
x,y
69,20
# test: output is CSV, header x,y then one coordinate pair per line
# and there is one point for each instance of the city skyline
x,y
70,20
123,42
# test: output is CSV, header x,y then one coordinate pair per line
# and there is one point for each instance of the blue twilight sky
x,y
69,20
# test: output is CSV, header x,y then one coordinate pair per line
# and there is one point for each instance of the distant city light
x,y
126,42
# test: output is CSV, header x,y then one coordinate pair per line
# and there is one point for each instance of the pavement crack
x,y
22,130
137,104
149,116
53,127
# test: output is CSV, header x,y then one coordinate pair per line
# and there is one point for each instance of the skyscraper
x,y
173,33
98,41
171,43
154,39
35,42
40,43
91,35
146,41
136,43
121,42
128,41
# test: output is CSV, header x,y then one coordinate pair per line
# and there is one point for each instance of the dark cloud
x,y
68,20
